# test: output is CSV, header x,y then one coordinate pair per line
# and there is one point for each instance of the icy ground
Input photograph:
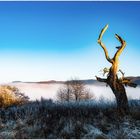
x,y
76,120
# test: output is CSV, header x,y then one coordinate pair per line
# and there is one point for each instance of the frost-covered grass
x,y
86,119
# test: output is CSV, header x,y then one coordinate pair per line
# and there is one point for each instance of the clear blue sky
x,y
58,40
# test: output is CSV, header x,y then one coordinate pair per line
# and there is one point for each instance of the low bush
x,y
10,96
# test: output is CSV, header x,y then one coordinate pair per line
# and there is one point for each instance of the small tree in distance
x,y
65,92
74,90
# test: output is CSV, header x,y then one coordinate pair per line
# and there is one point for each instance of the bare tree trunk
x,y
120,93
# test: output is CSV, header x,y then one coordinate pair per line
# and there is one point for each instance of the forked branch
x,y
102,45
123,44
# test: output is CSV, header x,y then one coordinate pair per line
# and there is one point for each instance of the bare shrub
x,y
74,90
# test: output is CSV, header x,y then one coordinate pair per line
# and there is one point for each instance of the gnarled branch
x,y
127,82
102,45
122,73
101,79
120,49
132,85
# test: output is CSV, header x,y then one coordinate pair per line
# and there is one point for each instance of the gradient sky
x,y
58,40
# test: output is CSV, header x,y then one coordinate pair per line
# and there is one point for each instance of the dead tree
x,y
74,90
115,83
65,93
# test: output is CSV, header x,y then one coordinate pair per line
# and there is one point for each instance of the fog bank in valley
x,y
48,91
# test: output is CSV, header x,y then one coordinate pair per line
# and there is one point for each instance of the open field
x,y
91,119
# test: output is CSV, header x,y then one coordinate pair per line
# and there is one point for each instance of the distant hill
x,y
86,81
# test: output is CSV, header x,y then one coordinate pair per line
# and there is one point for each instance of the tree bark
x,y
119,91
120,94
